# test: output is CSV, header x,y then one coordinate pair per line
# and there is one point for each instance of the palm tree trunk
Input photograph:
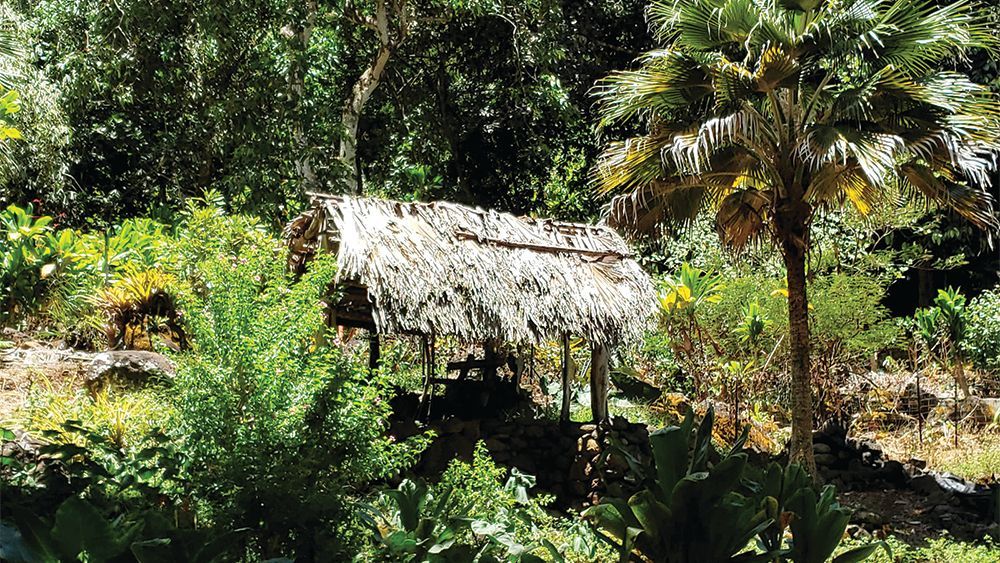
x,y
798,333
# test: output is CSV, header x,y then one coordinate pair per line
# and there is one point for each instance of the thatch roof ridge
x,y
444,268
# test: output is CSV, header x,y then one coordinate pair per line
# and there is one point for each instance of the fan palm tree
x,y
767,111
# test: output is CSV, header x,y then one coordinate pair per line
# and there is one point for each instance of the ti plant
x,y
926,325
816,523
753,324
690,289
943,327
692,509
682,299
951,303
705,505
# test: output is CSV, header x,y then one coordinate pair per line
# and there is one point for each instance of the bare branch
x,y
354,16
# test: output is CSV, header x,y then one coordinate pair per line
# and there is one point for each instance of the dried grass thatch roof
x,y
447,269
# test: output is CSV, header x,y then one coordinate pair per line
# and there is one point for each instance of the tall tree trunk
x,y
301,31
363,90
798,333
793,230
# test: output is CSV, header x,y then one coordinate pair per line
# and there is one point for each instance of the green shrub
x,y
28,256
936,550
478,511
281,430
206,232
90,500
847,315
982,334
729,313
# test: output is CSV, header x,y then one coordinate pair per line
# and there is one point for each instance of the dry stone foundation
x,y
576,462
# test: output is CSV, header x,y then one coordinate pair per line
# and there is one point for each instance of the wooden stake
x,y
920,412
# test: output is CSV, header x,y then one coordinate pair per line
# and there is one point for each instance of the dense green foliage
x,y
150,151
982,334
472,513
164,107
279,432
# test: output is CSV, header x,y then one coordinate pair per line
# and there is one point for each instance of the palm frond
x,y
648,209
669,80
974,204
741,219
913,35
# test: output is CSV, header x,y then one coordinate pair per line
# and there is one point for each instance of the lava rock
x,y
129,366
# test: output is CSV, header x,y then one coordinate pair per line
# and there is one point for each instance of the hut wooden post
x,y
374,351
599,373
520,364
428,365
566,359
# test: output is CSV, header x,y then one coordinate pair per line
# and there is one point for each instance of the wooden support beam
x,y
519,367
492,359
465,235
424,361
429,361
566,391
374,351
470,364
599,375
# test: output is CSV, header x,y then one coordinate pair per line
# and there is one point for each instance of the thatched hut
x,y
436,269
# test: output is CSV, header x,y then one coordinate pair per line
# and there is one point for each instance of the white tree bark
x,y
391,23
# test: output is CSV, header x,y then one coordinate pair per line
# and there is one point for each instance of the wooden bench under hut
x,y
443,269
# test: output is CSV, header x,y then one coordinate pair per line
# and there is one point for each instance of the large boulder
x,y
136,367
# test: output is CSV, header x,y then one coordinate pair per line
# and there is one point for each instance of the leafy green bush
x,y
78,531
725,317
982,335
230,235
280,429
88,498
28,256
476,512
847,315
417,524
